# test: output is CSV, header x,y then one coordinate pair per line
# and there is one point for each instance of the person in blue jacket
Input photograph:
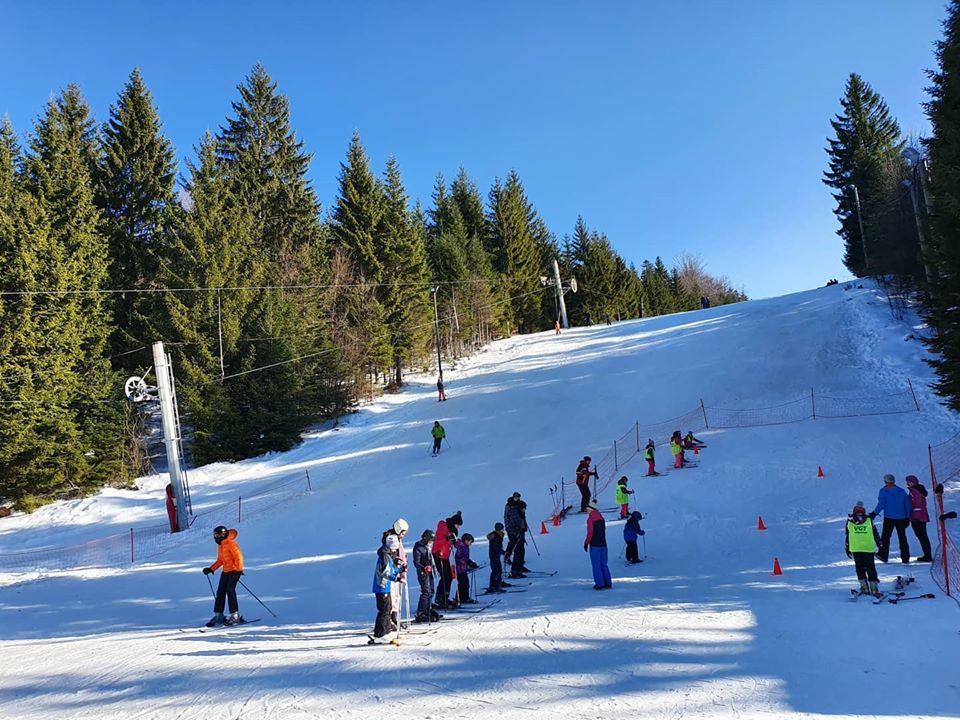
x,y
387,572
631,531
894,503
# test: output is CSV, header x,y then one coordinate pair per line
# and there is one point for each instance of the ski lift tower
x,y
556,282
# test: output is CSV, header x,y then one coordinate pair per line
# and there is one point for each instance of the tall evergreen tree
x,y
66,437
943,147
136,196
514,250
865,154
404,259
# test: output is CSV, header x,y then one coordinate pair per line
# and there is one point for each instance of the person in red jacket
x,y
443,541
172,510
596,544
584,473
230,559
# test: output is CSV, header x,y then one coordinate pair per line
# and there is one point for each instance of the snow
x,y
700,630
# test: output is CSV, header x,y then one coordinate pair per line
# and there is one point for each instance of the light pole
x,y
436,328
915,161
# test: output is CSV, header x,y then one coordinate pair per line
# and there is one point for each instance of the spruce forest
x,y
898,201
278,313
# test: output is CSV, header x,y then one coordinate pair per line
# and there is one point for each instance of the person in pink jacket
x,y
919,517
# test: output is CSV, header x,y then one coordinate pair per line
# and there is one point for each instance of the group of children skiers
x,y
901,509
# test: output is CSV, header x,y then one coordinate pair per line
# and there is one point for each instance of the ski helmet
x,y
392,543
498,526
401,526
427,535
220,533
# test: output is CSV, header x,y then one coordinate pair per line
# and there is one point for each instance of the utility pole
x,y
863,238
559,286
916,186
171,434
436,330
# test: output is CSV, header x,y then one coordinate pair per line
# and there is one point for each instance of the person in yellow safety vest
x,y
677,449
648,453
623,497
861,542
438,434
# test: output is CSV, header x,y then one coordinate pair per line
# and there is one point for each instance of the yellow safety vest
x,y
860,536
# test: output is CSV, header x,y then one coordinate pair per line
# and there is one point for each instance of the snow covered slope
x,y
700,630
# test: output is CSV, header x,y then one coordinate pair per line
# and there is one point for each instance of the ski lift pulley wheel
x,y
135,388
573,284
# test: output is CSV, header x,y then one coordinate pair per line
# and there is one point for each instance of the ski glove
x,y
428,569
207,571
641,532
872,515
952,515
938,490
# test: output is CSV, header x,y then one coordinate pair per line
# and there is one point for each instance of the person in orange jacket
x,y
230,561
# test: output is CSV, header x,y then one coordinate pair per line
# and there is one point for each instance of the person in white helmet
x,y
399,530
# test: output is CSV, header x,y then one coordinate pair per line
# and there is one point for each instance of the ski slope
x,y
700,630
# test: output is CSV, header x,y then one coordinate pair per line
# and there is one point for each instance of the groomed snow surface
x,y
700,630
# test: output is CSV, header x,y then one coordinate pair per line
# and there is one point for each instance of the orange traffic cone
x,y
760,525
556,521
819,471
543,528
776,567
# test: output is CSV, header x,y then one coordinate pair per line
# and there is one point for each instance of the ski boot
x,y
234,619
874,588
216,621
865,588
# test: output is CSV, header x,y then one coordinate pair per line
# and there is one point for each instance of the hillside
x,y
701,629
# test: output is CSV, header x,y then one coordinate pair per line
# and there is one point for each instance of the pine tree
x,y
943,147
403,256
136,196
865,154
64,438
357,215
514,250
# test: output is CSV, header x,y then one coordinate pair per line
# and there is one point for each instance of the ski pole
x,y
530,532
644,546
447,441
210,583
257,599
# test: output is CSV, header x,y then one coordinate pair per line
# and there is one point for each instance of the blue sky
x,y
670,126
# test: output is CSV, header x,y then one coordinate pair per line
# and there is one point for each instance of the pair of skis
x,y
215,628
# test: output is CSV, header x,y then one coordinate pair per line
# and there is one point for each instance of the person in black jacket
x,y
519,567
423,562
511,521
495,538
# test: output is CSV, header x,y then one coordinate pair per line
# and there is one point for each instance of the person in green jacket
x,y
648,455
623,497
861,542
438,435
677,449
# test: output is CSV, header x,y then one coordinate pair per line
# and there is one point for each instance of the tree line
x,y
898,200
277,314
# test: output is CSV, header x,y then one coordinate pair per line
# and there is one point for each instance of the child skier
x,y
385,574
423,563
438,434
648,455
441,393
677,449
690,442
584,474
230,558
623,497
631,531
464,566
495,553
861,542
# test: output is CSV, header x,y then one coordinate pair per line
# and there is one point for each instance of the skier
x,y
422,563
399,529
860,544
631,531
495,553
677,449
444,538
623,497
690,442
464,566
519,537
230,559
511,521
596,544
556,327
894,503
919,517
648,454
438,434
441,394
385,574
583,481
